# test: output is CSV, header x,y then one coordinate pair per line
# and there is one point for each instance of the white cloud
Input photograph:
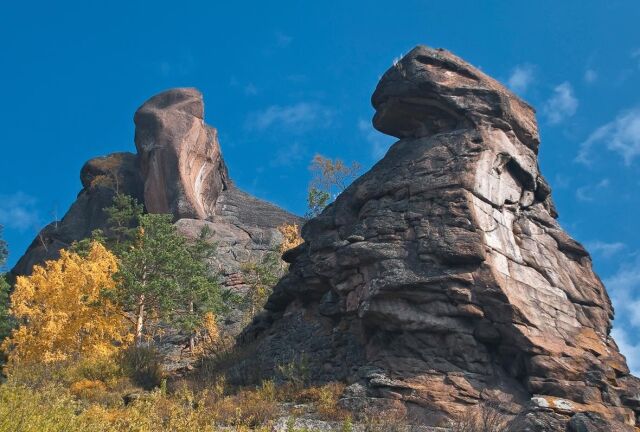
x,y
636,55
18,211
298,117
250,90
561,181
630,350
379,142
606,250
180,66
283,40
286,157
621,135
590,76
562,104
586,193
624,289
521,78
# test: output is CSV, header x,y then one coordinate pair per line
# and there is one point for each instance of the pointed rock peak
x,y
430,91
180,156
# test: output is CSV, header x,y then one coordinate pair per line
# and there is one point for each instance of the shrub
x,y
325,400
247,408
483,417
50,409
260,275
296,372
390,420
142,365
291,236
92,390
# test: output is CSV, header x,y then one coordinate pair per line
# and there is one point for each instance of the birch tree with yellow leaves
x,y
62,310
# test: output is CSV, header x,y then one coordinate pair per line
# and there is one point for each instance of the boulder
x,y
441,278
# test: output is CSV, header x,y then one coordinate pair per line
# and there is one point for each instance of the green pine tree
x,y
164,278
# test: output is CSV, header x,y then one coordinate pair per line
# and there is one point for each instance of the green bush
x,y
143,366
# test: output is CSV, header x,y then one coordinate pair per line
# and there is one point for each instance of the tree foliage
x,y
164,278
260,276
291,236
123,219
329,178
317,200
62,313
4,251
6,322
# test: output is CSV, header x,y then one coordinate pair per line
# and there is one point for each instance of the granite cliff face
x,y
179,170
441,279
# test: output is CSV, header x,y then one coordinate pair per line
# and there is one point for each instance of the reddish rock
x,y
180,156
179,170
441,276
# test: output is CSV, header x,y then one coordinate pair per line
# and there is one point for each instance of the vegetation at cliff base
x,y
63,311
81,333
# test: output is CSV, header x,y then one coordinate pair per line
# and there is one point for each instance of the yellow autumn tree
x,y
291,236
64,312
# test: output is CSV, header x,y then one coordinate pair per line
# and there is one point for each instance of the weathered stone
x,y
180,157
101,178
592,422
178,170
453,279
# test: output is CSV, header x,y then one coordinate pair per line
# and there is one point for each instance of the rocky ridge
x,y
441,279
178,169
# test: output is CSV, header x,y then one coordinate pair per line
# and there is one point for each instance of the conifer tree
x,y
163,278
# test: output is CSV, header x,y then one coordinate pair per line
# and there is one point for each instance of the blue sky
x,y
284,80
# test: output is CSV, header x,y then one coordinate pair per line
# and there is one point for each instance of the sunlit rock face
x,y
440,278
178,170
180,157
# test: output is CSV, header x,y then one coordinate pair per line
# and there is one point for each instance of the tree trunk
x,y
192,339
140,320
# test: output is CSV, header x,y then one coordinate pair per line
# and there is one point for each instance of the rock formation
x,y
179,170
100,178
180,157
441,279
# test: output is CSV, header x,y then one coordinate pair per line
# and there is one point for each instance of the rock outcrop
x,y
101,178
441,279
179,170
180,157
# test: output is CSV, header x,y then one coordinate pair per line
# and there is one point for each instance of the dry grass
x,y
484,417
390,420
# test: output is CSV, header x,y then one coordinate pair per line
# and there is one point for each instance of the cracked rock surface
x,y
179,170
441,278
